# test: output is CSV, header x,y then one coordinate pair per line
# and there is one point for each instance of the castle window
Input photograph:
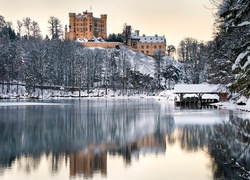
x,y
147,46
147,52
142,47
155,47
160,47
142,51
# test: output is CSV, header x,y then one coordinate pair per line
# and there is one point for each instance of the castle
x,y
85,28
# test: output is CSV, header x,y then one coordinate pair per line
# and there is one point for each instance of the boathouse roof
x,y
199,88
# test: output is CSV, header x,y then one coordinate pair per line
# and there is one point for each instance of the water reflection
x,y
229,145
193,137
87,163
81,134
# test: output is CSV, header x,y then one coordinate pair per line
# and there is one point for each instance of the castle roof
x,y
148,39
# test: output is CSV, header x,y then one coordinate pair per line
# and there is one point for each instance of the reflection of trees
x,y
229,145
193,137
130,127
56,162
28,163
34,130
155,144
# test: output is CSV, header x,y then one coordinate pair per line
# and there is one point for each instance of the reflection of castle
x,y
149,144
88,163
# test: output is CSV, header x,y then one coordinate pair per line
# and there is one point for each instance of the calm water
x,y
116,139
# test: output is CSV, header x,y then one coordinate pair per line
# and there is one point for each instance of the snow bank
x,y
85,40
233,105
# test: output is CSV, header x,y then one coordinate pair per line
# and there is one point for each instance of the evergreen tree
x,y
158,67
232,43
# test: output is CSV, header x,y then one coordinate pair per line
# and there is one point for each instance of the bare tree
x,y
126,33
2,22
171,50
55,27
19,27
35,29
27,25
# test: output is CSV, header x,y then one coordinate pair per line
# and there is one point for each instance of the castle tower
x,y
104,26
86,26
72,17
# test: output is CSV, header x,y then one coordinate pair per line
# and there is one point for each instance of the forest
x,y
27,59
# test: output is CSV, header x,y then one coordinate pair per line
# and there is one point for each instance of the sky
x,y
175,19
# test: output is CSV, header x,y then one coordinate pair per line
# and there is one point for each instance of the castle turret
x,y
104,26
66,29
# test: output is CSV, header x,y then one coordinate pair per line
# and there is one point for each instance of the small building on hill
x,y
145,44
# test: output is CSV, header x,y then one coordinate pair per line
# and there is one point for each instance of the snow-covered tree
x,y
219,70
191,54
233,41
158,66
171,72
171,50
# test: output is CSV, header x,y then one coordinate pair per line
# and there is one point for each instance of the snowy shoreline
x,y
47,95
233,106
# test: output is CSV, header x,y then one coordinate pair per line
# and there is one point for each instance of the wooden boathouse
x,y
199,91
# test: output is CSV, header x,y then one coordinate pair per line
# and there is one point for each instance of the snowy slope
x,y
139,61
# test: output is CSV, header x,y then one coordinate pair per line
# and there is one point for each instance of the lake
x,y
133,138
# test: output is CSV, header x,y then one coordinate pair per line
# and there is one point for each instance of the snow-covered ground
x,y
233,105
167,95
